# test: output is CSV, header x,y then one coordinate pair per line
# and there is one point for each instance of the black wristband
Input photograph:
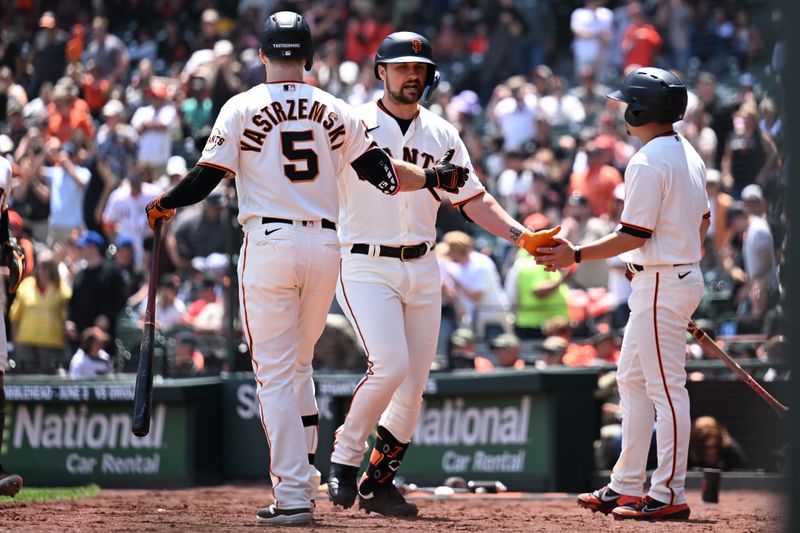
x,y
577,254
431,181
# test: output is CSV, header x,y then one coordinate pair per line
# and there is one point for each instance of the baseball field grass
x,y
34,494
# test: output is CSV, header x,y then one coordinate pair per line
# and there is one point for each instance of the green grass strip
x,y
35,494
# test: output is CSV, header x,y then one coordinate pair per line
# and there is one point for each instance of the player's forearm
x,y
411,177
195,186
490,215
611,245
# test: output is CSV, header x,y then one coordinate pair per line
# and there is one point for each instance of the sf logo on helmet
x,y
416,45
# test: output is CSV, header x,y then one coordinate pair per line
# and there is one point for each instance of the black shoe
x,y
284,517
342,487
387,500
9,484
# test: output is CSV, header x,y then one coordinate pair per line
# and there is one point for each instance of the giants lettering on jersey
x,y
275,113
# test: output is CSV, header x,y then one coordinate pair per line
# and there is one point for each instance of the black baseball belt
x,y
325,223
403,253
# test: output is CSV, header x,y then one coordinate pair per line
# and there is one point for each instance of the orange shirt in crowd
x,y
579,355
62,127
95,92
645,42
597,186
482,364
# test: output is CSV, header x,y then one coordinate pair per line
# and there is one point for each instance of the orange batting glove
x,y
531,240
155,211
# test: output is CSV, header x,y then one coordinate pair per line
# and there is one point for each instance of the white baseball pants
x,y
651,373
287,282
395,307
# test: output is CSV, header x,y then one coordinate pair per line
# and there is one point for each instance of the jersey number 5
x,y
296,155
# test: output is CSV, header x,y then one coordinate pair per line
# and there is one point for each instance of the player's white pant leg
x,y
272,273
638,415
369,292
668,303
422,315
315,300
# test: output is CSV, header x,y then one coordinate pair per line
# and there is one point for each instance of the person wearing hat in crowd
x,y
553,349
188,361
68,115
176,169
14,127
91,360
122,212
96,295
156,123
758,248
505,354
535,294
462,349
125,259
49,52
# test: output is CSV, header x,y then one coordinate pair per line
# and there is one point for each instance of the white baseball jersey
x,y
5,189
665,202
408,218
286,142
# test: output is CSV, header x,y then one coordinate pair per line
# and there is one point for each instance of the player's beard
x,y
402,95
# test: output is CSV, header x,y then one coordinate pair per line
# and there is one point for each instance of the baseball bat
x,y
143,393
710,346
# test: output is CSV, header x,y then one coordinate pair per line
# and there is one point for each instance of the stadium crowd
x,y
104,105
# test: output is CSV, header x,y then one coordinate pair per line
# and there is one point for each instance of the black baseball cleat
x,y
284,517
387,500
9,484
342,487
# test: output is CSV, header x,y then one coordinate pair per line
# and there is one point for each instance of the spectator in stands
x,y
188,361
513,110
721,112
711,446
514,184
676,17
758,248
108,52
697,131
597,181
95,88
505,354
170,310
553,349
201,233
719,233
591,94
65,179
37,318
49,52
14,127
122,212
563,111
156,124
69,117
196,108
591,28
91,360
477,282
125,258
580,225
641,41
462,349
96,295
750,155
536,295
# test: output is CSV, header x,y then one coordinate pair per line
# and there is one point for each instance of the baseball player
x,y
9,483
389,283
663,224
286,143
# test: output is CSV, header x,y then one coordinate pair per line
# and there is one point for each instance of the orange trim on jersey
x,y
634,226
255,364
218,167
468,200
707,214
666,390
366,349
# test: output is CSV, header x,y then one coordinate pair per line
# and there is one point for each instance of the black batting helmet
x,y
409,47
286,34
652,95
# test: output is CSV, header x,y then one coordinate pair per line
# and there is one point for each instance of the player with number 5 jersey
x,y
287,143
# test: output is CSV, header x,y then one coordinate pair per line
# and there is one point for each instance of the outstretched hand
x,y
446,175
555,257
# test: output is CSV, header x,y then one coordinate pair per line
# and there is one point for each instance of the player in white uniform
x,y
9,483
389,284
287,143
663,224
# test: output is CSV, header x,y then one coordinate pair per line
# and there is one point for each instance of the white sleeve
x,y
357,139
5,181
643,189
222,149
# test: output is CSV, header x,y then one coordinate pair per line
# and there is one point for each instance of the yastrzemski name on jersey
x,y
276,113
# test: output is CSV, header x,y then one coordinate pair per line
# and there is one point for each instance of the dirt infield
x,y
233,508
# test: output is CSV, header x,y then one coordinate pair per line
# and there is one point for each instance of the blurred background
x,y
105,104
